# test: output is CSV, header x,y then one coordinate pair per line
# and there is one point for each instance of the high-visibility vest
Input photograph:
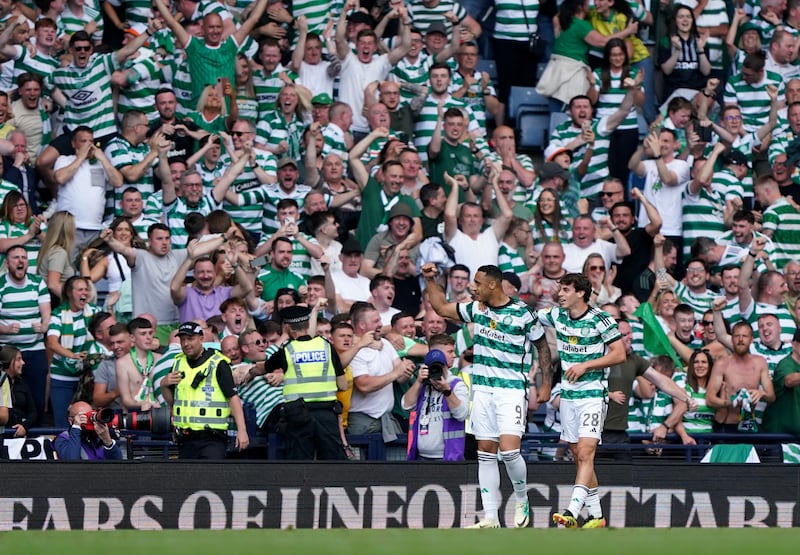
x,y
204,407
309,372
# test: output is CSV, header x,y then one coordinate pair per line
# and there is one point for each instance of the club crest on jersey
x,y
573,340
493,324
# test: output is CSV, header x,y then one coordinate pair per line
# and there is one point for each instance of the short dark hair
x,y
684,308
279,240
139,323
428,192
492,272
579,282
158,226
80,36
95,321
379,280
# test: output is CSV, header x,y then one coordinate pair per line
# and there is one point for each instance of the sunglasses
x,y
238,133
82,48
609,193
597,267
258,342
706,323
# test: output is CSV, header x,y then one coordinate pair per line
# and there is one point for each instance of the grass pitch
x,y
635,541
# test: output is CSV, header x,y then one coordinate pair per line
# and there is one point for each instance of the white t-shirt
x,y
666,199
370,362
474,254
315,77
575,256
83,196
354,78
351,289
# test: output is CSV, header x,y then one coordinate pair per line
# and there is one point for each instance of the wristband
x,y
614,229
447,393
752,254
657,157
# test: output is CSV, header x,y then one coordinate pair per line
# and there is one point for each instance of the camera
x,y
436,362
158,420
435,371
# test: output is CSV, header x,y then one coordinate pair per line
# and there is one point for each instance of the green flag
x,y
655,340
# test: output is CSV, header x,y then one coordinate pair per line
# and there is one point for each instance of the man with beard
x,y
25,315
182,133
397,236
135,368
279,273
737,383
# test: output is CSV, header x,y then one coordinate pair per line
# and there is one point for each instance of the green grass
x,y
636,541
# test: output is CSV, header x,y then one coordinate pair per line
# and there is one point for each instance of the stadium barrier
x,y
264,494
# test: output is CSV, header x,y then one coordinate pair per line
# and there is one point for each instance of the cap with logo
x,y
435,356
190,328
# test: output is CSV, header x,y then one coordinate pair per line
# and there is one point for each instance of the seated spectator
x,y
85,439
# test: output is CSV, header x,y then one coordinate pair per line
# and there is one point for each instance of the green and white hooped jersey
x,y
700,420
610,100
592,182
20,304
784,221
88,92
511,21
504,337
249,212
579,340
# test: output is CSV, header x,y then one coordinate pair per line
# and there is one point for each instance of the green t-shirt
x,y
276,279
571,43
376,205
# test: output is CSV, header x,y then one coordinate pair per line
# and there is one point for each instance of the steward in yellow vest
x,y
313,374
203,395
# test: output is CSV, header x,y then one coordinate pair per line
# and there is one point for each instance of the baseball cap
x,y
550,170
435,356
286,161
513,279
736,157
322,98
436,27
190,328
361,17
556,152
352,246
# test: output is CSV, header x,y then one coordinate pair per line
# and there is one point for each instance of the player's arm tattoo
x,y
545,363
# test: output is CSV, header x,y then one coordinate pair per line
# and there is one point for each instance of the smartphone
x,y
258,262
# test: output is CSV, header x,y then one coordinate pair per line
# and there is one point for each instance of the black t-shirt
x,y
635,263
184,145
407,295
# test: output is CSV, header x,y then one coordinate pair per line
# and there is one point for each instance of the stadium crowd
x,y
228,163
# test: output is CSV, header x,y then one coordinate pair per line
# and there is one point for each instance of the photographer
x,y
87,438
442,406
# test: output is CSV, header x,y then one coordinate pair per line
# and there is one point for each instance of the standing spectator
x,y
18,226
214,56
607,92
778,221
54,261
25,311
665,179
69,340
515,24
749,89
153,270
566,73
585,242
23,414
83,88
82,179
98,262
783,416
473,245
683,56
364,66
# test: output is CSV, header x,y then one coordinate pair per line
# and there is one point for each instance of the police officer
x,y
312,375
202,394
